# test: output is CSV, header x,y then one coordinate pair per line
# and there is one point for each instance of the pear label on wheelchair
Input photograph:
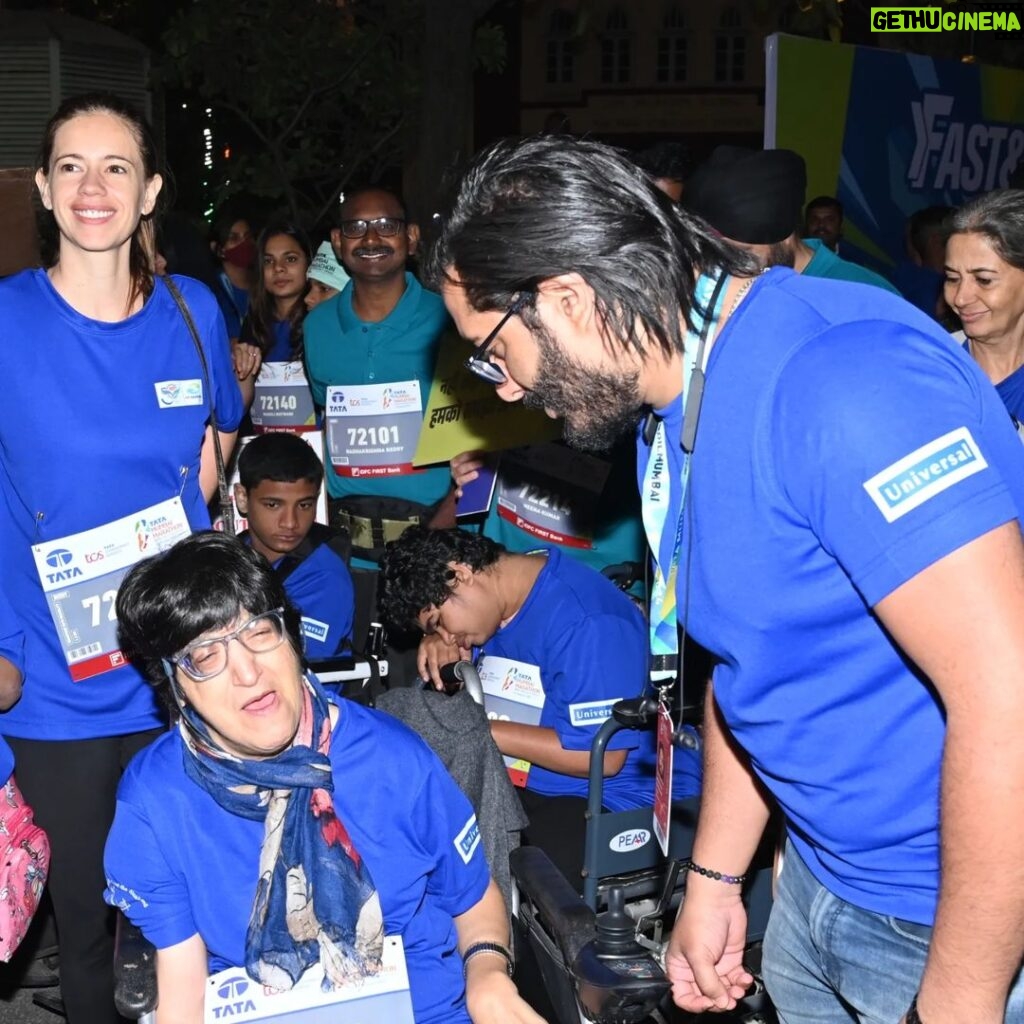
x,y
80,575
372,429
283,400
550,492
630,840
231,995
513,692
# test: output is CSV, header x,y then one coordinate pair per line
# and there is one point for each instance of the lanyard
x,y
664,625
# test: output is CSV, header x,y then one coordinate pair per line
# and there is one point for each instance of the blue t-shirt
x,y
611,518
343,350
1011,391
845,444
281,349
177,863
320,586
825,263
89,435
589,642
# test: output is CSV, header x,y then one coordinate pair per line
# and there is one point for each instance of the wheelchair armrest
x,y
571,922
134,971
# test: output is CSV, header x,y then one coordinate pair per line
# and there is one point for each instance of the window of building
x,y
561,53
671,56
730,48
616,47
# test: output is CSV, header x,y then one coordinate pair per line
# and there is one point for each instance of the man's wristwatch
x,y
913,1017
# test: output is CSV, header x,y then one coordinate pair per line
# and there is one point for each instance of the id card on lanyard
x,y
283,400
80,575
372,429
659,486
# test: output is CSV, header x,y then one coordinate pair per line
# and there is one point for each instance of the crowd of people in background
x,y
174,345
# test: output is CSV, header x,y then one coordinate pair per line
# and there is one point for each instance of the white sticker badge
x,y
176,394
468,839
924,473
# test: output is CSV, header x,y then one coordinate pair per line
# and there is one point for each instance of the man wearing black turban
x,y
754,199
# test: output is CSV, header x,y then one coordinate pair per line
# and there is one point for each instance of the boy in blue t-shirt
x,y
558,645
280,478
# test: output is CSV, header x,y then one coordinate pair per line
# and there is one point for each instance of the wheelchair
x,y
353,677
601,955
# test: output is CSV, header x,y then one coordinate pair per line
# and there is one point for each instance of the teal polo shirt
x,y
825,263
342,350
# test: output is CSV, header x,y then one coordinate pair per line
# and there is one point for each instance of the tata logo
x,y
631,839
59,559
233,991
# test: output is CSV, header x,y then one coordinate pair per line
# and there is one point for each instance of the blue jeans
x,y
829,962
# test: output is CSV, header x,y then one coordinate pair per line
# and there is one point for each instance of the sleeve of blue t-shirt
x,y
601,659
140,882
315,330
444,823
893,447
209,321
12,647
321,588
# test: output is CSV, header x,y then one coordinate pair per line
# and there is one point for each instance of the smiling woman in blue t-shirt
x,y
104,426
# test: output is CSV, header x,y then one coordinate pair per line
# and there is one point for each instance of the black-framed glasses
x,y
208,658
478,363
386,227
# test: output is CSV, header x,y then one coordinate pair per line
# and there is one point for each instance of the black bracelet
x,y
718,876
488,947
913,1017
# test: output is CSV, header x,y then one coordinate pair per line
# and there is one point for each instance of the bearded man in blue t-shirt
x,y
839,523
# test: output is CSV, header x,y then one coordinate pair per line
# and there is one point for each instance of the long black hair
x,y
531,209
258,328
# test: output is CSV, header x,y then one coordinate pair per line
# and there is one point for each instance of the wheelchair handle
x,y
463,675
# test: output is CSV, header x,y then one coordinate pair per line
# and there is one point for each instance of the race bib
x,y
283,400
550,492
80,575
372,429
513,692
231,995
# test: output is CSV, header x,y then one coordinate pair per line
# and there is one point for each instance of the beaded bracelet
x,y
488,947
718,876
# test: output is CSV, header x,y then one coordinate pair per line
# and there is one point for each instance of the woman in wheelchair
x,y
565,641
276,830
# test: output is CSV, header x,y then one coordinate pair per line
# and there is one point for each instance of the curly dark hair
x,y
415,572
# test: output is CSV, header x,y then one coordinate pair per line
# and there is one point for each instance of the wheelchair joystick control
x,y
618,980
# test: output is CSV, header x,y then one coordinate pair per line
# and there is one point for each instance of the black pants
x,y
71,786
558,825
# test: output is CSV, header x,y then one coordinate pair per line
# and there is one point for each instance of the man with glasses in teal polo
x,y
370,354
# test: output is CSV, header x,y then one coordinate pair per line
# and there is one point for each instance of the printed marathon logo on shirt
x,y
315,629
593,712
924,473
176,394
468,839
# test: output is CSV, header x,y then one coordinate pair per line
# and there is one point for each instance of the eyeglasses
x,y
207,658
386,227
483,367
